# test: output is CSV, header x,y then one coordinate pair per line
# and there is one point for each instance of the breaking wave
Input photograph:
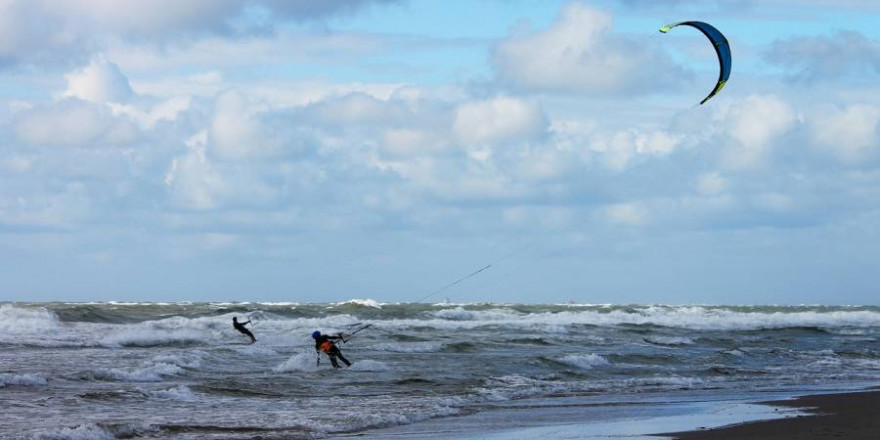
x,y
586,362
22,380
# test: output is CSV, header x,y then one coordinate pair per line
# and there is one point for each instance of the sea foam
x,y
24,380
584,361
299,362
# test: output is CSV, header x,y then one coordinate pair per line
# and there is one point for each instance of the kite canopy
x,y
722,48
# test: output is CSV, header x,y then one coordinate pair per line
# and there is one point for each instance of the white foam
x,y
192,359
87,431
152,373
369,365
254,350
410,347
24,321
585,361
669,340
690,317
361,302
299,362
664,382
23,380
462,314
181,393
146,337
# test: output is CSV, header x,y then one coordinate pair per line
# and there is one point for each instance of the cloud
x,y
497,120
845,55
710,184
404,142
620,147
100,82
852,133
633,214
75,123
754,125
578,52
303,10
236,131
58,32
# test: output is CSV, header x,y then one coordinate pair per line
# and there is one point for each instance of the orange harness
x,y
326,347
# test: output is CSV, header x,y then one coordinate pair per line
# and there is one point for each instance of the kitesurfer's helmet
x,y
316,334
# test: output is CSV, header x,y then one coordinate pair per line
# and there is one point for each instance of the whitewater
x,y
179,370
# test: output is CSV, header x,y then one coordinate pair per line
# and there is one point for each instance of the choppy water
x,y
115,370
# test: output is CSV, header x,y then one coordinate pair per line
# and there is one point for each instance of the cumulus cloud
x,y
100,82
851,133
619,148
754,125
72,122
412,142
844,55
167,110
192,179
498,120
580,52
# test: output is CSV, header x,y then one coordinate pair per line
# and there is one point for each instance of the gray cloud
x,y
64,32
845,55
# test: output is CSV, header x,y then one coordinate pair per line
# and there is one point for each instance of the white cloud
x,y
412,142
163,111
754,125
711,184
100,82
579,52
497,120
192,179
619,148
235,128
73,122
851,133
633,214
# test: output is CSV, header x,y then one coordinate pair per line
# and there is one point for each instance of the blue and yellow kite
x,y
722,48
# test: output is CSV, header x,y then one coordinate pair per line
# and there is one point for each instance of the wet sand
x,y
851,416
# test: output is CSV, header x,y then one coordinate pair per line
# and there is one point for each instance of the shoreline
x,y
835,414
842,415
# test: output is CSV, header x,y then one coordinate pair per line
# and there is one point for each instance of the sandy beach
x,y
852,416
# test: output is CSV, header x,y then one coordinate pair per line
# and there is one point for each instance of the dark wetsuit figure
x,y
324,343
240,327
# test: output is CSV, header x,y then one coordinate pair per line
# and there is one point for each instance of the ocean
x,y
179,370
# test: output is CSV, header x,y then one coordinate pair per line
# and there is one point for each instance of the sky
x,y
268,150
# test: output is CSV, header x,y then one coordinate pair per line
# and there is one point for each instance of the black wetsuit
x,y
333,352
240,327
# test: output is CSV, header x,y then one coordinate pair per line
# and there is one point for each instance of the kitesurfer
x,y
240,327
325,343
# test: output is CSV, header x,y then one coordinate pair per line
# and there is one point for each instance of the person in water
x,y
325,343
240,327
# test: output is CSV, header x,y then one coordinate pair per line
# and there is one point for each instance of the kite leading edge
x,y
722,48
